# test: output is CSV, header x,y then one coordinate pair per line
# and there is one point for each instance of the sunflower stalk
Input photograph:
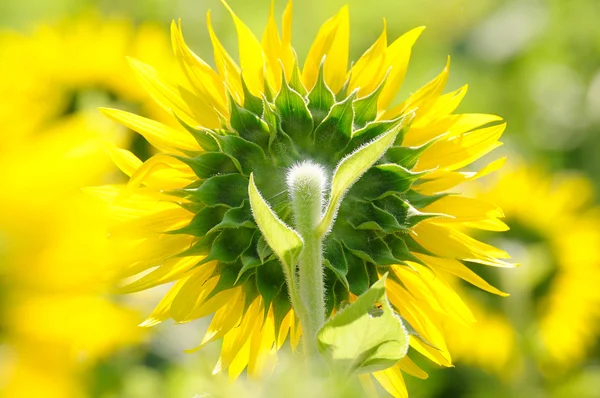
x,y
306,183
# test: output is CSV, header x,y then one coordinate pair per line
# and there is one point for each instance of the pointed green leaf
x,y
296,81
247,155
248,125
228,275
408,157
296,120
335,130
420,200
227,189
237,217
208,164
365,109
349,170
269,280
263,249
251,103
357,276
204,221
203,136
383,180
321,99
366,215
366,336
229,246
284,241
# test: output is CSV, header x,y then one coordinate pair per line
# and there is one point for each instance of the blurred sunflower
x,y
186,214
559,302
95,72
57,319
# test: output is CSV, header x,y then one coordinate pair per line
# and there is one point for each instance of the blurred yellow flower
x,y
557,300
185,215
57,317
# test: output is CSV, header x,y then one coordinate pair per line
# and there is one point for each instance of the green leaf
x,y
228,189
251,102
383,180
349,170
229,246
335,130
237,217
204,221
321,99
366,336
203,137
357,276
366,215
296,81
284,241
248,125
269,280
228,276
406,215
420,200
296,120
247,155
365,109
281,307
263,249
375,129
208,164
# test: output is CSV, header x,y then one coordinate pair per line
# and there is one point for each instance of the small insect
x,y
377,310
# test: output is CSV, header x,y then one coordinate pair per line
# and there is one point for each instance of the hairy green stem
x,y
306,183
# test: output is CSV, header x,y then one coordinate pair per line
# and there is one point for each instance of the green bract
x,y
243,171
366,336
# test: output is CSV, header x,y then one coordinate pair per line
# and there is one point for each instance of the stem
x,y
306,183
312,291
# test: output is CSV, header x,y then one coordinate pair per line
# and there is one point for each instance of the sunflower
x,y
558,296
53,258
264,145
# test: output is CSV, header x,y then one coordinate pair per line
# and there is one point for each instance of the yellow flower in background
x,y
77,63
556,230
58,319
189,214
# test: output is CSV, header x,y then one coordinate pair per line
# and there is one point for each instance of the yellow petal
x,y
263,354
203,79
237,337
227,67
126,161
392,381
160,135
457,152
423,98
397,57
175,98
458,269
252,59
271,44
332,41
408,366
370,69
162,311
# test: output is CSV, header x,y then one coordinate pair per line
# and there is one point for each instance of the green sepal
x,y
334,253
249,257
281,307
357,276
343,93
202,246
229,246
366,336
248,125
203,136
366,245
204,221
251,102
366,215
227,189
247,155
420,200
375,129
414,247
237,217
263,249
321,98
208,164
249,288
405,214
406,157
400,250
296,120
228,276
383,180
269,280
335,130
296,81
365,109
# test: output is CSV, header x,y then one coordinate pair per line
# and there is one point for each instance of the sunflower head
x,y
272,167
